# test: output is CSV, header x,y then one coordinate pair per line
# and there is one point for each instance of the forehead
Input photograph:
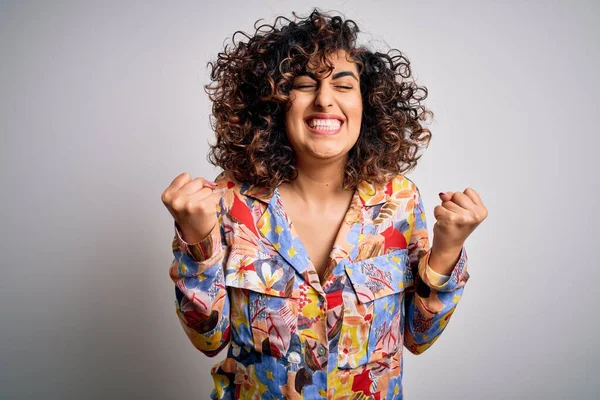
x,y
340,60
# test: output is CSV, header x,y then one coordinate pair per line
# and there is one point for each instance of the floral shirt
x,y
252,285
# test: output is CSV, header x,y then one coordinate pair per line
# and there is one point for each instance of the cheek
x,y
291,117
354,107
356,114
295,113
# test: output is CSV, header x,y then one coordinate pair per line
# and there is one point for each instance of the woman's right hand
x,y
192,203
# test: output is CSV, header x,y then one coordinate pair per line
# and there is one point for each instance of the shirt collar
x,y
370,195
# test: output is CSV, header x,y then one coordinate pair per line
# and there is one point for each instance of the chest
x,y
318,234
318,230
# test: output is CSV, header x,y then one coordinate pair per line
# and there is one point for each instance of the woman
x,y
309,254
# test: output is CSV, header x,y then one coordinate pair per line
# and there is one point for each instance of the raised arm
x,y
429,304
202,304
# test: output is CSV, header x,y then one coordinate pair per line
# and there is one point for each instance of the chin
x,y
330,155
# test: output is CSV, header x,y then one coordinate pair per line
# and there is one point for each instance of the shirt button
x,y
321,350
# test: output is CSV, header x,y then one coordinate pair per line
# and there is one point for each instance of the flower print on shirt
x,y
250,286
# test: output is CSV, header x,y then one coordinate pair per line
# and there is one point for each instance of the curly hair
x,y
250,91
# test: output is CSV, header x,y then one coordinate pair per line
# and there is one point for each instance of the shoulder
x,y
239,194
400,186
397,188
227,183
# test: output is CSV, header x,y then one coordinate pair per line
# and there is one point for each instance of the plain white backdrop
x,y
102,105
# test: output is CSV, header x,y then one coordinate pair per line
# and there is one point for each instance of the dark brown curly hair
x,y
251,83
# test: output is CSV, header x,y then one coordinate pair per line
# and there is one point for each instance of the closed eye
x,y
310,86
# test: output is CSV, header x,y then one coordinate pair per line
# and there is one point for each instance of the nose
x,y
324,96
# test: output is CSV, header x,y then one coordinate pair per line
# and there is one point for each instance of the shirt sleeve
x,y
434,277
202,250
201,299
432,300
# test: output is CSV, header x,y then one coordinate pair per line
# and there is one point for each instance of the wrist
x,y
446,251
191,235
443,261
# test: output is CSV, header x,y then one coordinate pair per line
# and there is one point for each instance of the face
x,y
326,112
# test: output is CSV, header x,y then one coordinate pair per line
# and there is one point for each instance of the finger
x,y
195,185
446,196
473,195
208,195
463,201
206,198
441,214
179,181
170,192
452,206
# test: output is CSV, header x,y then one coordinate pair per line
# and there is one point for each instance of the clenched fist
x,y
457,217
193,205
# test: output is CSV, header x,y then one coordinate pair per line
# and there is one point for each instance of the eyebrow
x,y
335,76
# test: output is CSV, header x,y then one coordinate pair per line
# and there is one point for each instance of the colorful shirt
x,y
252,285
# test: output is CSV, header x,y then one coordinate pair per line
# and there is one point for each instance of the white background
x,y
102,105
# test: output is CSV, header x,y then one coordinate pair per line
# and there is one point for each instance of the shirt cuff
x,y
434,277
436,281
202,250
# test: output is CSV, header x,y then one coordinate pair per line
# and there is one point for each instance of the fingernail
x,y
441,193
212,183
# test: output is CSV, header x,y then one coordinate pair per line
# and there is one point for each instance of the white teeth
x,y
327,124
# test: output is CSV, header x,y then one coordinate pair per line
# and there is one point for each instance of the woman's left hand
x,y
457,217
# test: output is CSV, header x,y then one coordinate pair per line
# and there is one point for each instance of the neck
x,y
319,182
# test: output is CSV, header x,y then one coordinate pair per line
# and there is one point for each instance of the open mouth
x,y
324,126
